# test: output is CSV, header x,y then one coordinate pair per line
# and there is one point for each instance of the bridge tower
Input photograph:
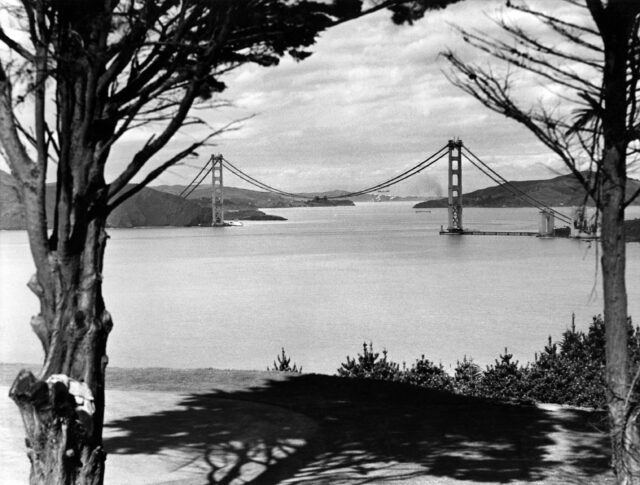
x,y
455,186
217,192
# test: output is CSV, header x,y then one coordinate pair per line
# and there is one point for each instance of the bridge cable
x,y
500,180
399,178
194,187
194,179
256,183
392,181
501,184
510,188
504,182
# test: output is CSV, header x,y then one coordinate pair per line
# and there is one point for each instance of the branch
x,y
28,175
548,19
494,94
16,46
17,158
153,145
233,125
157,172
555,72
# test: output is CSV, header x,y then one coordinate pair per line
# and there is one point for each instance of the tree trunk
x,y
63,407
624,431
615,24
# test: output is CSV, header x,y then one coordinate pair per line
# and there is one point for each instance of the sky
x,y
371,102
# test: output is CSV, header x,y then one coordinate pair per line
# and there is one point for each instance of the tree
x,y
88,73
591,62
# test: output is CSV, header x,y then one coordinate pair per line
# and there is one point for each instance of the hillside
x,y
149,207
632,230
560,191
236,197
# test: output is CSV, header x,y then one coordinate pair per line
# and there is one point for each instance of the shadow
x,y
322,429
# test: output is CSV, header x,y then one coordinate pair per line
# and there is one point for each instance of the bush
x,y
503,380
466,377
283,364
425,373
370,365
570,371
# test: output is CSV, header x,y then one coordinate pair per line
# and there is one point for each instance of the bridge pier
x,y
217,192
546,224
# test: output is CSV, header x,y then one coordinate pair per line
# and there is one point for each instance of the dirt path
x,y
235,427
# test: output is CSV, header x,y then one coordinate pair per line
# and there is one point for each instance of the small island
x,y
323,201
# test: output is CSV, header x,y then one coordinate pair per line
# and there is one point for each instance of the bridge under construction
x,y
454,151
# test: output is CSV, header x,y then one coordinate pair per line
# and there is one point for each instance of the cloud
x,y
369,103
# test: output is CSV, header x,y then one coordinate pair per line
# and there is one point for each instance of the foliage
x,y
570,371
427,374
370,365
467,376
573,370
283,364
503,380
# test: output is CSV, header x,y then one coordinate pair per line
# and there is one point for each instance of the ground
x,y
241,427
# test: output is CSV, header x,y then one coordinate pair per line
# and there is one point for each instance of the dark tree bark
x,y
63,416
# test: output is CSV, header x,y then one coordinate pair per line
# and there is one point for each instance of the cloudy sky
x,y
369,103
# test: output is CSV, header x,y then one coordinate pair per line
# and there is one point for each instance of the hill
x,y
560,191
235,197
149,207
632,230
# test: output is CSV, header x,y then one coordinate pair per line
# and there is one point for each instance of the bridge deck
x,y
489,233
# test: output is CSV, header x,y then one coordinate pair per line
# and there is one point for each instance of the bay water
x,y
325,281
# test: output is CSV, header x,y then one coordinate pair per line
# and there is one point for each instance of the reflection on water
x,y
322,283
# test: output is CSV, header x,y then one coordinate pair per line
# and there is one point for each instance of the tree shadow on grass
x,y
322,429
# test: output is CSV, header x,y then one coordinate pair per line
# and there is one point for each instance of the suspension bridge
x,y
454,151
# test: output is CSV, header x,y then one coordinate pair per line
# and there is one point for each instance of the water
x,y
323,283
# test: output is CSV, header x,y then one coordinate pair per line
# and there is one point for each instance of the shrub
x,y
370,365
503,380
466,377
283,364
425,373
570,371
